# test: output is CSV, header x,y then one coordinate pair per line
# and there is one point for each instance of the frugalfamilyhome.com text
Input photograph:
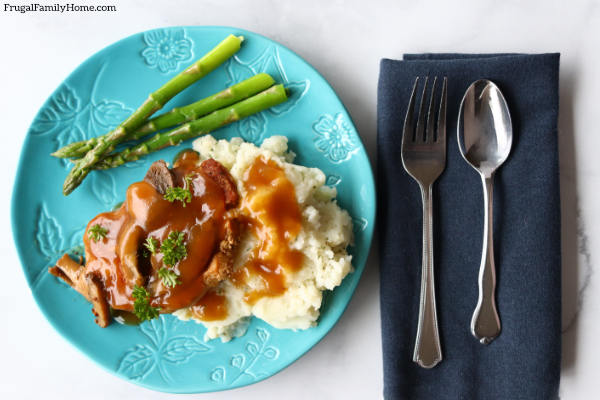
x,y
57,8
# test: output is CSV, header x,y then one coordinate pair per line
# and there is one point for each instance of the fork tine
x,y
408,120
430,114
441,129
419,135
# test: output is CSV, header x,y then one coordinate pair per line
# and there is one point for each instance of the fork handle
x,y
485,325
428,351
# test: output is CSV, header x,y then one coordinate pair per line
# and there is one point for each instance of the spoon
x,y
484,139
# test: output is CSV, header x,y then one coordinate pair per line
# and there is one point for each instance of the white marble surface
x,y
344,40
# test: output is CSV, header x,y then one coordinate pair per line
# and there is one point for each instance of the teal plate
x,y
167,354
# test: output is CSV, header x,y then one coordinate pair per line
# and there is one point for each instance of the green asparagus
x,y
268,98
155,102
176,116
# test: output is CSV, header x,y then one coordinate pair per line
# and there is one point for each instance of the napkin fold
x,y
524,361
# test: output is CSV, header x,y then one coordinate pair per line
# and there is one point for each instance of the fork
x,y
424,158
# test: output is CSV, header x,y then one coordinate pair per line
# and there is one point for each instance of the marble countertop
x,y
344,40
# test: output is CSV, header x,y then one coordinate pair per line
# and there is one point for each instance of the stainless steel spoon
x,y
484,139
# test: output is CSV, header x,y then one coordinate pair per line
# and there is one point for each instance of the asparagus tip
x,y
61,153
67,187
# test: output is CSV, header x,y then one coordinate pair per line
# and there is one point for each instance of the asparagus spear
x,y
268,98
176,116
155,101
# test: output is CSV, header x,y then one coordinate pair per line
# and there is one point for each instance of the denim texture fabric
x,y
524,361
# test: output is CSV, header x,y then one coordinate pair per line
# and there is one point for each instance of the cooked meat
x,y
221,265
232,236
87,284
97,297
160,176
221,176
132,237
71,272
136,242
218,270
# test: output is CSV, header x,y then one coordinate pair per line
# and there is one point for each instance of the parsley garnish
x,y
169,277
141,305
177,193
97,232
173,248
151,244
182,194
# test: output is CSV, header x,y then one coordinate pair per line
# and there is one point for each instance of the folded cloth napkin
x,y
524,361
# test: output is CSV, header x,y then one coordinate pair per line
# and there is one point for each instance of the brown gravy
x,y
145,213
211,307
273,216
269,211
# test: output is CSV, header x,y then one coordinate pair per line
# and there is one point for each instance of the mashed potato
x,y
326,231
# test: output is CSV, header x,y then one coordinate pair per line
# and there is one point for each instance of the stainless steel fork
x,y
424,158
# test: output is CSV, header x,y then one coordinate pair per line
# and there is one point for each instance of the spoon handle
x,y
427,351
485,325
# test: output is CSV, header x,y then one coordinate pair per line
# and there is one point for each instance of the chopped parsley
x,y
177,193
173,249
151,244
169,277
182,194
187,181
141,305
97,232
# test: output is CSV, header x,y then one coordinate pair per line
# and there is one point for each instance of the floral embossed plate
x,y
167,354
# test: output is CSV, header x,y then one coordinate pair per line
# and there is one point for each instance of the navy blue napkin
x,y
524,361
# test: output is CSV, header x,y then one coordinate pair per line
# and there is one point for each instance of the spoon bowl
x,y
485,134
484,127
